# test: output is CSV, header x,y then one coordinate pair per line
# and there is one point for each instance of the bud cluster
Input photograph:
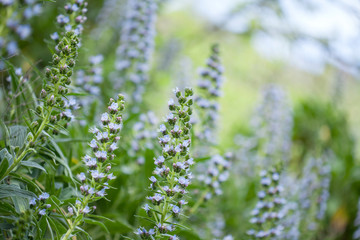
x,y
172,172
267,214
137,44
95,181
207,100
16,15
56,105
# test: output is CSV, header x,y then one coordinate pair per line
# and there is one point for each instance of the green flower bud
x,y
188,92
47,72
39,109
56,59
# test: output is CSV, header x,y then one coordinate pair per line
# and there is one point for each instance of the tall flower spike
x,y
95,181
315,185
266,215
216,173
273,124
291,210
56,108
207,99
136,47
172,172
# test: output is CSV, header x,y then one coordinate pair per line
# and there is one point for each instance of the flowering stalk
x,y
273,126
315,184
207,100
57,81
217,172
137,44
95,180
172,173
267,214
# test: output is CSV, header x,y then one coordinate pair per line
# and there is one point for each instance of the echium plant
x,y
267,213
172,172
214,174
25,224
52,116
273,126
95,181
315,183
135,49
14,16
208,96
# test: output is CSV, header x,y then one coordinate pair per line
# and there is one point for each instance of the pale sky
x,y
336,21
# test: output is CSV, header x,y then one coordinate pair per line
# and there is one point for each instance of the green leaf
x,y
5,156
7,207
96,222
21,204
30,181
50,228
17,135
100,217
14,191
56,203
120,225
33,165
4,133
187,234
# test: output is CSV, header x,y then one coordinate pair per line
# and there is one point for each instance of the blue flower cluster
x,y
266,215
216,172
172,172
136,47
315,184
17,29
273,124
73,20
39,204
95,181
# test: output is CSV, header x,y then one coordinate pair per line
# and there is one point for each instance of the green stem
x,y
26,149
70,230
75,223
198,203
